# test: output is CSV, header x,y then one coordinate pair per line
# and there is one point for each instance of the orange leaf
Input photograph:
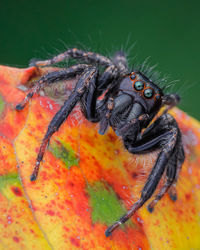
x,y
86,181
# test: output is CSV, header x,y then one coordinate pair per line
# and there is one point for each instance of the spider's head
x,y
142,90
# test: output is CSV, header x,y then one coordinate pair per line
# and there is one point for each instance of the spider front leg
x,y
89,100
164,134
86,56
88,77
51,78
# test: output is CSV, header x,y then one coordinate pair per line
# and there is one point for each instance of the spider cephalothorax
x,y
134,95
129,102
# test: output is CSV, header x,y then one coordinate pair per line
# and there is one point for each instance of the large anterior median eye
x,y
148,93
139,85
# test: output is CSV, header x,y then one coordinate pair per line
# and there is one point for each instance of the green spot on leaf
x,y
105,205
1,104
8,180
192,156
63,151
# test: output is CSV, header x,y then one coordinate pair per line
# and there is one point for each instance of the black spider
x,y
130,102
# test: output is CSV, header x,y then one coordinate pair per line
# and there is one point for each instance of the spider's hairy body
x,y
130,102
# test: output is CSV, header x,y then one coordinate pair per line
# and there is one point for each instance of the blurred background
x,y
167,31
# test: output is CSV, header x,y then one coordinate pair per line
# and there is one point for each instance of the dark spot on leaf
x,y
10,179
17,191
75,242
50,212
134,175
112,137
16,239
188,196
71,184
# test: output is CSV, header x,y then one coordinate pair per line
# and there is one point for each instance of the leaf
x,y
86,180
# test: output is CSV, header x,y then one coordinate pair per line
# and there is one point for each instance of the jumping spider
x,y
130,102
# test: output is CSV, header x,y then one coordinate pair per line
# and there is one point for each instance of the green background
x,y
167,31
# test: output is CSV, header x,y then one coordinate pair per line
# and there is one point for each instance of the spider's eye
x,y
148,93
132,76
139,85
157,97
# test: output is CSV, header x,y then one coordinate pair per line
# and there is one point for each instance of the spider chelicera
x,y
130,102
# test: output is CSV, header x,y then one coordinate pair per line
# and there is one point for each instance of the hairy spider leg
x,y
171,101
120,61
170,177
88,77
50,78
88,57
177,157
105,121
173,168
180,160
89,99
106,78
166,142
